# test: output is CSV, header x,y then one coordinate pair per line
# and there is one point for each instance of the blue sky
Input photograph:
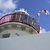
x,y
32,6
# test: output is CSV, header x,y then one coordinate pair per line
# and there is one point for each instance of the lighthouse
x,y
19,23
20,31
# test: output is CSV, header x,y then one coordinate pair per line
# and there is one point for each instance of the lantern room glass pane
x,y
5,18
29,19
35,24
25,18
13,17
17,17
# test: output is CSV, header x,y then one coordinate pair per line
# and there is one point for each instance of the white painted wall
x,y
27,42
14,31
14,28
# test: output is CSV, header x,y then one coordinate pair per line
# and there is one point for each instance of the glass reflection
x,y
20,18
13,18
30,20
17,17
25,18
35,24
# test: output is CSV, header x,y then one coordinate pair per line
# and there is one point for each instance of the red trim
x,y
27,23
38,29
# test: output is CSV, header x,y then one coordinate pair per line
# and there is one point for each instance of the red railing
x,y
22,18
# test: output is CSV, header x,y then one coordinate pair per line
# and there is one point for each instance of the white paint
x,y
14,31
29,42
18,29
22,10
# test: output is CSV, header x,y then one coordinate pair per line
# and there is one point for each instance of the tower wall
x,y
16,29
31,42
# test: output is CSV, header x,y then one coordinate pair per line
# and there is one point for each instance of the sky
x,y
32,7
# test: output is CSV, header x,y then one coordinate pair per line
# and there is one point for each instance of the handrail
x,y
23,18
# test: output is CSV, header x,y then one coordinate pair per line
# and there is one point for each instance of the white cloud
x,y
49,31
48,1
42,30
7,6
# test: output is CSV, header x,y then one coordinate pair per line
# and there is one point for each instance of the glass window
x,y
35,23
17,17
21,17
6,18
5,35
25,18
13,17
30,20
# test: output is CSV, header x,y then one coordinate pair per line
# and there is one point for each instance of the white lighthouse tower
x,y
18,23
20,31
